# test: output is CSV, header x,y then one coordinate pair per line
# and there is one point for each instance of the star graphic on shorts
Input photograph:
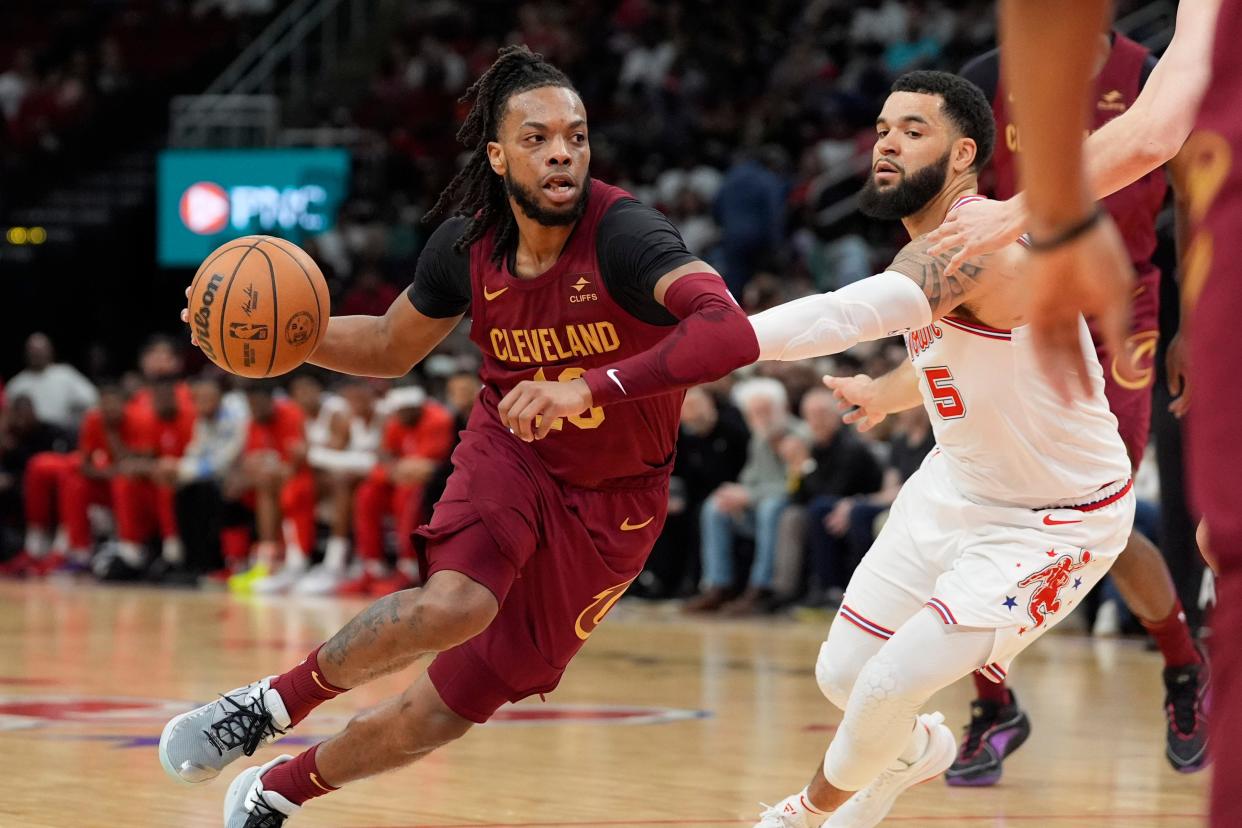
x,y
1021,630
1077,583
1011,601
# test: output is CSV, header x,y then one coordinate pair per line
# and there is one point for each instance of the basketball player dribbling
x,y
1021,508
592,318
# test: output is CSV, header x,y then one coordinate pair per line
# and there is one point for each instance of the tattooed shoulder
x,y
944,293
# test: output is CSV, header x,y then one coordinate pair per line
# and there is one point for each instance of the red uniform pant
x,y
57,490
376,497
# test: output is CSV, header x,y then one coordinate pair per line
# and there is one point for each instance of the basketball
x,y
257,306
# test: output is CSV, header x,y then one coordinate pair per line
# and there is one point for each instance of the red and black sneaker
x,y
1185,705
994,732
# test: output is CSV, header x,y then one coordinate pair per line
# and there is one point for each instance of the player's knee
x,y
835,676
452,610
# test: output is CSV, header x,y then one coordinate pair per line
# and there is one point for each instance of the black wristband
x,y
1067,235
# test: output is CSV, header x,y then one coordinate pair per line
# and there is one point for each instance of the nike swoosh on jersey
x,y
489,295
626,526
1048,521
612,375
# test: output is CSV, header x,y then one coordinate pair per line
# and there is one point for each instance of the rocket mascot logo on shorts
x,y
1046,599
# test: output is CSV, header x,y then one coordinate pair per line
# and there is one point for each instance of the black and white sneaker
x,y
196,746
1185,705
247,805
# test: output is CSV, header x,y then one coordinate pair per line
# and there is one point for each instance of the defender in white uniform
x,y
1019,510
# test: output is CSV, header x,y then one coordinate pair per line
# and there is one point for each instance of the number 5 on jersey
x,y
591,418
949,403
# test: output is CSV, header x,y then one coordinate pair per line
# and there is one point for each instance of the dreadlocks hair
x,y
476,189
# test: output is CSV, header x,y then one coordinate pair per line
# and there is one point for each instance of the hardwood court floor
x,y
660,721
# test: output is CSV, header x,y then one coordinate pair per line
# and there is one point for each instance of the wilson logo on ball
x,y
205,208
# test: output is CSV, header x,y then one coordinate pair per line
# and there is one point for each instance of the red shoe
x,y
49,563
18,566
219,577
359,587
393,582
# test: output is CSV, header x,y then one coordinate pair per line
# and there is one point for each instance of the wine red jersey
x,y
554,327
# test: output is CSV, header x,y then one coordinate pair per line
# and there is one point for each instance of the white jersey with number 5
x,y
1008,438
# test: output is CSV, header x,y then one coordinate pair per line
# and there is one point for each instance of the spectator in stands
x,y
274,481
417,439
711,451
751,506
370,295
22,437
16,82
59,392
832,465
199,475
841,527
750,210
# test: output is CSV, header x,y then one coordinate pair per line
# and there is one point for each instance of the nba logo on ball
x,y
205,208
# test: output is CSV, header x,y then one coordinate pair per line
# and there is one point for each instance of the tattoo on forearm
x,y
944,293
386,610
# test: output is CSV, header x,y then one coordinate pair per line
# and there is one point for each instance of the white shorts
x,y
1016,570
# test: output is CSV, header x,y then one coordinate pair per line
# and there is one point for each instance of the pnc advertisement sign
x,y
207,197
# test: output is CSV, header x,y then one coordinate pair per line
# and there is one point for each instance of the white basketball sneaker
x,y
788,813
247,805
321,580
196,746
870,805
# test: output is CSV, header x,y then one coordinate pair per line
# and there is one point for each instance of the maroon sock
x,y
297,780
988,690
304,688
1172,636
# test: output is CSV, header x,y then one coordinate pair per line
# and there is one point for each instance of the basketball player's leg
x,y
882,730
384,638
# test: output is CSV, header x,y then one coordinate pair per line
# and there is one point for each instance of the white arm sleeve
x,y
828,323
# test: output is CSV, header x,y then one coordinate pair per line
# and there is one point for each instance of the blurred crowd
x,y
313,484
750,126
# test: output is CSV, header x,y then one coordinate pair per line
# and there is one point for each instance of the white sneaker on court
x,y
320,580
279,583
247,805
867,807
783,815
196,746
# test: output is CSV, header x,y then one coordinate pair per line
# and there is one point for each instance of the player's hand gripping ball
x,y
257,306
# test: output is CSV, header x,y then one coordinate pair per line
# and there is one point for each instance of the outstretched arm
x,y
915,290
1147,135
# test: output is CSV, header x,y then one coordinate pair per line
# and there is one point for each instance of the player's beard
x,y
528,201
908,196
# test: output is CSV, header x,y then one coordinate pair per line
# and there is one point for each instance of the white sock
x,y
295,558
917,746
171,550
130,552
376,568
37,543
336,553
295,555
264,554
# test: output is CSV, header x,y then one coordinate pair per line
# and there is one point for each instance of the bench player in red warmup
x,y
592,318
